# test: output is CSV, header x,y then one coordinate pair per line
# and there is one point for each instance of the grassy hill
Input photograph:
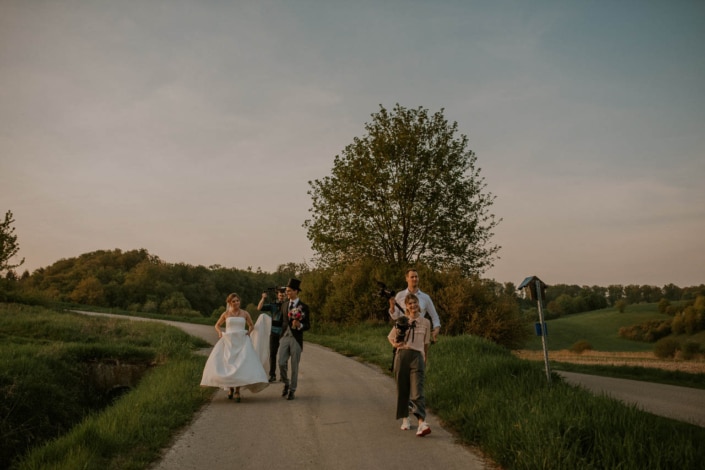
x,y
600,328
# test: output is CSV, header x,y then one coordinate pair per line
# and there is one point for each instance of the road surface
x,y
343,418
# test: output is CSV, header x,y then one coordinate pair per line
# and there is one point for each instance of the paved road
x,y
342,418
681,403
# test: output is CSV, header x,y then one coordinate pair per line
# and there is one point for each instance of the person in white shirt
x,y
425,303
411,343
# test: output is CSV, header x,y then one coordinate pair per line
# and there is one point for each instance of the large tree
x,y
8,244
408,191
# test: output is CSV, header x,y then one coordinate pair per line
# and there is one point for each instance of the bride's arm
x,y
248,320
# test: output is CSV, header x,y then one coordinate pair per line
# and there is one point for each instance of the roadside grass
x,y
131,433
504,406
645,374
53,416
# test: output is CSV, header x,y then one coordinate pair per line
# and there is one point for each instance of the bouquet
x,y
296,314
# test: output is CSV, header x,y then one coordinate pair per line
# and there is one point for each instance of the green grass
x,y
600,328
52,416
131,433
505,407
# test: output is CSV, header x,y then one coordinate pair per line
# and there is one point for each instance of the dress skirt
x,y
237,360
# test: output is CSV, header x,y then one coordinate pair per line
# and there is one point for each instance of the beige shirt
x,y
416,340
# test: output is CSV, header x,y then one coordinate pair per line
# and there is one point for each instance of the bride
x,y
237,359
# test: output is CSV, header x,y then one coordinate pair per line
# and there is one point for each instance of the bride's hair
x,y
230,299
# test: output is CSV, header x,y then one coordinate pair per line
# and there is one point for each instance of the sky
x,y
192,128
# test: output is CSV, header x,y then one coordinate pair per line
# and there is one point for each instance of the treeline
x,y
141,282
563,299
138,281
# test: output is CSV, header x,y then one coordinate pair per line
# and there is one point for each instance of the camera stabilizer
x,y
387,294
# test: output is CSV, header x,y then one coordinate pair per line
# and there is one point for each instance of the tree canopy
x,y
406,192
8,244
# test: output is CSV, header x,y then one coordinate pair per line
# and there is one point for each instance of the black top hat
x,y
294,284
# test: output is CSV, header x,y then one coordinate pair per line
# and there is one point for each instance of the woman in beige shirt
x,y
412,343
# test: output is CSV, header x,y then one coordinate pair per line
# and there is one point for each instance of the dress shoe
x,y
291,395
285,391
272,379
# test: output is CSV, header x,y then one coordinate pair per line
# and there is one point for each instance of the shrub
x,y
580,346
621,305
690,350
666,348
648,331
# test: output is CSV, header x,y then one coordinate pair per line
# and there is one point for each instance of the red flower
x,y
296,314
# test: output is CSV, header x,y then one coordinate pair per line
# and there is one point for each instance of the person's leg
x,y
284,353
401,372
273,346
417,376
295,351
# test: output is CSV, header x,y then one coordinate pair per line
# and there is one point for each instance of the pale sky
x,y
191,128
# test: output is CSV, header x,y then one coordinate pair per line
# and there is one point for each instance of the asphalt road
x,y
681,403
343,418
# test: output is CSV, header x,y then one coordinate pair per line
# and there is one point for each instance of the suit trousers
x,y
289,348
410,374
273,349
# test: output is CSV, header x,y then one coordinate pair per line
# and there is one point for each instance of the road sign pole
x,y
543,330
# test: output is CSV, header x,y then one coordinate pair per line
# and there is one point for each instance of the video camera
x,y
384,292
402,325
274,290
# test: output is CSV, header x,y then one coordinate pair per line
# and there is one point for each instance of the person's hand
x,y
264,295
296,324
391,303
434,335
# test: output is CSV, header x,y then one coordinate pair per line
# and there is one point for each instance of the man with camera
x,y
274,311
425,303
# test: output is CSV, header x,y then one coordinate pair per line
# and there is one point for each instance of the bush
x,y
580,346
690,350
666,348
648,331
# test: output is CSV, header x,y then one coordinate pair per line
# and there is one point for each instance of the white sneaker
x,y
405,425
423,429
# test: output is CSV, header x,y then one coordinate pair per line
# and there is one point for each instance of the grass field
x,y
599,328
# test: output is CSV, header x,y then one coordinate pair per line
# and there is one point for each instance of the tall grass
x,y
46,358
505,406
131,433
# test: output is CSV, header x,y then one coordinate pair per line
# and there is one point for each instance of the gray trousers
x,y
410,373
289,347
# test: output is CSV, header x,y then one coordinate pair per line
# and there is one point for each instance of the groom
x,y
297,319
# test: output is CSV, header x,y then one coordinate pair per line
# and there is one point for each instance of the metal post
x,y
543,330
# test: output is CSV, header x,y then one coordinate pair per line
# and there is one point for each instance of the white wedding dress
x,y
238,360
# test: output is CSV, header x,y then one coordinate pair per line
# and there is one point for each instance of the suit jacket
x,y
305,321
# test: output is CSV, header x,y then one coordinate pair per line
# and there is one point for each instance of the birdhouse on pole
x,y
535,289
531,288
